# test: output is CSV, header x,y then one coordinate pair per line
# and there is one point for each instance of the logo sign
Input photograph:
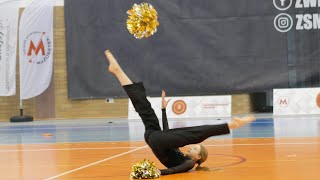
x,y
282,5
283,102
283,22
37,47
179,107
318,100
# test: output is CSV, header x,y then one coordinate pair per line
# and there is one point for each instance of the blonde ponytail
x,y
202,168
204,156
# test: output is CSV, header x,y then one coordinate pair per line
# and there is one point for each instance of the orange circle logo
x,y
179,107
318,100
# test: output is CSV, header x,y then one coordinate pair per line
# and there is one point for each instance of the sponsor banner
x,y
189,107
36,48
296,101
8,47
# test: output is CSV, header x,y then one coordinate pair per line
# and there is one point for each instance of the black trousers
x,y
172,138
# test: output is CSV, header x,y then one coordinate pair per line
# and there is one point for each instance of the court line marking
x,y
88,126
57,128
265,144
209,145
94,163
64,149
242,160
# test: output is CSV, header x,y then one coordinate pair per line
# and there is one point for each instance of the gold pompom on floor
x,y
142,20
144,170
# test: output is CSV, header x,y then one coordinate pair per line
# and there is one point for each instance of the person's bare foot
x,y
113,63
237,122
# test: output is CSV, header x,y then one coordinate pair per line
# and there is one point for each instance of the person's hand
x,y
164,101
107,53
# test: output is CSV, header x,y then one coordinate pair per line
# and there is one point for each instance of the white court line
x,y
63,149
63,143
58,128
267,144
68,172
209,145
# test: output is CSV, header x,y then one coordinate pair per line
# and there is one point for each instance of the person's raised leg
x,y
179,137
136,93
116,69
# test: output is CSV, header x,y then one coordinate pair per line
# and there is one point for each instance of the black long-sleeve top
x,y
177,162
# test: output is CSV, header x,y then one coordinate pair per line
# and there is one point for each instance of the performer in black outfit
x,y
165,143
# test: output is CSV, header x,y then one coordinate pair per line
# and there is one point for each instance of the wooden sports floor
x,y
270,148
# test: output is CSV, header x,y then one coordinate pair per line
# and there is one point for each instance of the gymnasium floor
x,y
272,148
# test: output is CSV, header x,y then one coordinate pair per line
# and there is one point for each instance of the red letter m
x,y
32,47
283,101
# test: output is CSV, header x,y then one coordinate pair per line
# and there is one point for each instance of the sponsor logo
x,y
37,47
283,102
179,107
318,100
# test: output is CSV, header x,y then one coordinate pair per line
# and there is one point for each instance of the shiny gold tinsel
x,y
142,20
144,170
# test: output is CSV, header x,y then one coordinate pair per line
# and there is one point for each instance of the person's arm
x,y
165,124
186,166
165,102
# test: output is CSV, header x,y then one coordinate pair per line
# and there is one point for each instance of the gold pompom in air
x,y
144,170
142,20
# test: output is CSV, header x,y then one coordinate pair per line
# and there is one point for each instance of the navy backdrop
x,y
202,47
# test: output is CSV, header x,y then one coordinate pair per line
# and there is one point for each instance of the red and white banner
x,y
189,107
36,48
296,101
9,14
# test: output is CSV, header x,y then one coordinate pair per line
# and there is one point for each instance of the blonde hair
x,y
204,155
